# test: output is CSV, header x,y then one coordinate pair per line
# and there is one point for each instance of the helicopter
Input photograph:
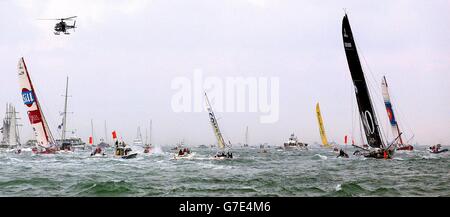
x,y
62,26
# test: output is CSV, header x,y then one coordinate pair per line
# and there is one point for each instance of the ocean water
x,y
316,172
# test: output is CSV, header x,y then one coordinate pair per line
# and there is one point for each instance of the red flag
x,y
114,134
345,139
90,140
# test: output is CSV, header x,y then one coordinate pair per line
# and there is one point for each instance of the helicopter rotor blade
x,y
49,19
68,18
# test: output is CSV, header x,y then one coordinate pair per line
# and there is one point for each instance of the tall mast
x,y
6,125
14,132
92,132
246,135
366,110
17,127
106,134
150,138
146,136
139,135
63,137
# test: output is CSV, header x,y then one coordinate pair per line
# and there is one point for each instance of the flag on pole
x,y
90,140
114,135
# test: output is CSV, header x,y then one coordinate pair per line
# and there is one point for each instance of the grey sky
x,y
123,56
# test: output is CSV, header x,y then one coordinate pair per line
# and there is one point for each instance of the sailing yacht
x,y
215,126
323,135
68,143
104,144
138,140
378,149
390,112
148,145
10,129
246,137
45,142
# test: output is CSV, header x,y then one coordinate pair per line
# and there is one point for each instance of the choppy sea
x,y
280,173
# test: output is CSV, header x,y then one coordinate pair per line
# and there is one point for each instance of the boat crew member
x,y
342,154
230,155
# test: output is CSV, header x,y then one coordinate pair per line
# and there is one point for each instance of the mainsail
x,y
40,127
390,111
366,111
321,128
215,125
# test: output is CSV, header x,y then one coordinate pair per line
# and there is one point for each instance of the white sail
x,y
35,115
390,110
215,125
6,127
10,128
138,139
13,129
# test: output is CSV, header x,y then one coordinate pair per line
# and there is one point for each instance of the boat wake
x,y
157,150
322,157
427,157
26,149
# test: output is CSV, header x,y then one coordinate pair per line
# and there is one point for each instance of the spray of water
x,y
157,150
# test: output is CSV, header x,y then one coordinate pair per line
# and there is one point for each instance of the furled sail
x,y
13,129
6,128
215,125
35,115
323,136
366,111
390,111
10,128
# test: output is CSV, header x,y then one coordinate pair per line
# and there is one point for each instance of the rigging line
x,y
366,64
351,112
352,89
361,133
46,119
376,91
373,77
400,115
